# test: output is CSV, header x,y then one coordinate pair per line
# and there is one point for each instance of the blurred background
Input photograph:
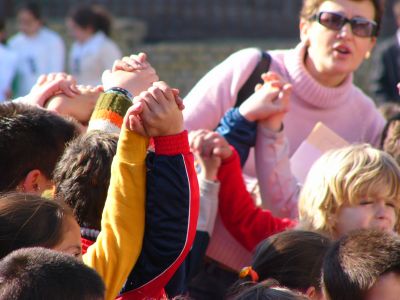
x,y
185,38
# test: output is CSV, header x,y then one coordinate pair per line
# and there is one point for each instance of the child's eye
x,y
390,204
366,202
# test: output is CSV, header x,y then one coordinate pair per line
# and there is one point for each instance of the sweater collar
x,y
307,88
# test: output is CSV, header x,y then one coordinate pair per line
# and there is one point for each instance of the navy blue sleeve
x,y
239,132
191,266
172,195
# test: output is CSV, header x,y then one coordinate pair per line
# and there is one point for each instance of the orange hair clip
x,y
248,271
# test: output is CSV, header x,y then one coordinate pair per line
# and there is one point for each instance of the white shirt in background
x,y
39,54
8,69
88,60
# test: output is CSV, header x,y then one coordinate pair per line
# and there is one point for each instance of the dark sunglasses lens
x,y
362,28
331,20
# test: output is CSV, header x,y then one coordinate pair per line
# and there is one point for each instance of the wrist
x,y
272,125
210,175
120,91
246,114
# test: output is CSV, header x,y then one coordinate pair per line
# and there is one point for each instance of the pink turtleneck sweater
x,y
344,109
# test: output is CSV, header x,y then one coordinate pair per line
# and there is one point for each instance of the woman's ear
x,y
304,27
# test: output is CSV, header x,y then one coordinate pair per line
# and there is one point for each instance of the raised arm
x,y
172,194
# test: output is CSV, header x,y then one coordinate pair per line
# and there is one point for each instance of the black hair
x,y
82,176
267,290
38,273
293,258
30,138
93,16
355,262
33,8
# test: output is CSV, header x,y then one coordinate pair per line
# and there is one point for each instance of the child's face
x,y
71,241
387,287
368,213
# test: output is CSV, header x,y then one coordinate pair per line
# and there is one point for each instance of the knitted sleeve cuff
x,y
108,115
172,144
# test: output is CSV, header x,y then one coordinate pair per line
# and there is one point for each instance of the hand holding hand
x,y
80,106
134,75
155,112
50,85
210,149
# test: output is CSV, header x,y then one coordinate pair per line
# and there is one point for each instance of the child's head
x,y
29,18
82,175
351,188
28,221
38,273
390,141
31,142
267,290
364,265
293,258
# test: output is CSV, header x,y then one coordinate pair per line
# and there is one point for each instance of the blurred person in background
x,y
92,51
8,65
39,49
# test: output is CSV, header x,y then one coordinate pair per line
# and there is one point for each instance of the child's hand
x,y
155,112
264,102
50,85
210,149
131,63
135,80
80,106
274,122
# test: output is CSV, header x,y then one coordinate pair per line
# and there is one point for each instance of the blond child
x,y
351,188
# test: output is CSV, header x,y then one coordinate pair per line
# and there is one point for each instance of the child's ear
x,y
34,182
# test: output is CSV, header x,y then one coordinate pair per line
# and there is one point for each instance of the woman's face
x,y
80,34
333,55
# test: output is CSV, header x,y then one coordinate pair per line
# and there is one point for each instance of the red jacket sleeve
x,y
248,223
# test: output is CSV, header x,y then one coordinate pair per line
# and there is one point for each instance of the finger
x,y
223,152
179,102
98,88
121,65
158,95
51,76
67,90
134,63
149,100
194,138
270,76
42,79
197,143
176,92
257,87
167,92
142,57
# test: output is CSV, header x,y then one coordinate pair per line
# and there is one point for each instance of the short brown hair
x,y
355,262
310,8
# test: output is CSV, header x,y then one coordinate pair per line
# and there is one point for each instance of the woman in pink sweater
x,y
336,36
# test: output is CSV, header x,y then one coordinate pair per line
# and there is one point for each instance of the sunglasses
x,y
360,27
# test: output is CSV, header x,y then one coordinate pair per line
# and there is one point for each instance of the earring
x,y
36,187
367,55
